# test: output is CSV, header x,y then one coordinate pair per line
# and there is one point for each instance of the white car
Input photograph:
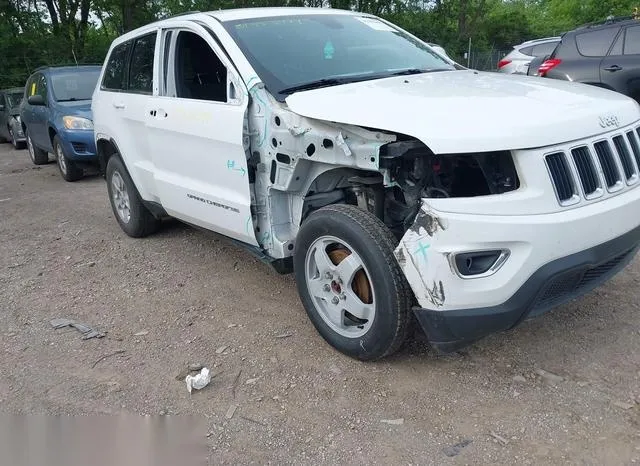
x,y
392,183
517,61
440,50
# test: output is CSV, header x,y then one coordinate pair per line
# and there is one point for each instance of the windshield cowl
x,y
334,81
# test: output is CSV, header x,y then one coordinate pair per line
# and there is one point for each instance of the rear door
x,y
195,130
620,70
122,105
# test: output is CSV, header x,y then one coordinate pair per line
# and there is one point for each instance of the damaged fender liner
x,y
553,284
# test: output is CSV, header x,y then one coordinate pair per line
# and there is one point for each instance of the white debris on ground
x,y
198,381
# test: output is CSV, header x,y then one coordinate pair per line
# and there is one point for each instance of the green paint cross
x,y
422,249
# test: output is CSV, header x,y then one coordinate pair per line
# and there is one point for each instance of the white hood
x,y
468,111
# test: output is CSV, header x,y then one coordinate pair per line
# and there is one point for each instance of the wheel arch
x,y
324,184
52,134
106,148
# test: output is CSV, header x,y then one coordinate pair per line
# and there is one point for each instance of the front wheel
x,y
350,283
130,212
69,170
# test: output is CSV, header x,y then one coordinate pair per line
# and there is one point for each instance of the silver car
x,y
517,61
10,127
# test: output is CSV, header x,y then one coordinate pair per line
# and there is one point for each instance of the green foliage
x,y
48,32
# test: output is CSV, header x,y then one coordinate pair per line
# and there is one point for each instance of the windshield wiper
x,y
71,99
316,84
325,82
417,71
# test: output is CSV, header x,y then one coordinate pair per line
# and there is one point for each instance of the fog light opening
x,y
479,263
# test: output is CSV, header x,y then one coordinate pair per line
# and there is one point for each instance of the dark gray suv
x,y
10,126
605,54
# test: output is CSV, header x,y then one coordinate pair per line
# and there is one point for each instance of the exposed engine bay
x,y
298,165
416,173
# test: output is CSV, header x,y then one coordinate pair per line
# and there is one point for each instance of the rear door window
x,y
596,43
141,68
116,70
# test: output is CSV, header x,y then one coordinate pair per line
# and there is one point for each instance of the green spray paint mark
x,y
329,50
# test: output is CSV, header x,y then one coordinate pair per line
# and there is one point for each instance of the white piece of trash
x,y
198,381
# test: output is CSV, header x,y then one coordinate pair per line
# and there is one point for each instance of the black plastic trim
x,y
452,330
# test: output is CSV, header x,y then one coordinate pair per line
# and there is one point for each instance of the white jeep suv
x,y
392,182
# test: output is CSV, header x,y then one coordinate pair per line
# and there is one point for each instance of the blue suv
x,y
56,117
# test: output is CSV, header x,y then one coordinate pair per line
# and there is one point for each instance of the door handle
x,y
118,105
613,68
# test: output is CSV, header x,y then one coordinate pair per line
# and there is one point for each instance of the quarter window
x,y
542,50
632,41
141,68
115,71
596,43
527,50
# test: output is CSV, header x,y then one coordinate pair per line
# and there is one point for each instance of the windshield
x,y
78,85
14,99
289,52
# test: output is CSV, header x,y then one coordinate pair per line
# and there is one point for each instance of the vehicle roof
x,y
261,12
67,68
234,14
613,22
541,40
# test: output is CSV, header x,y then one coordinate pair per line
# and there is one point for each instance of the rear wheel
x,y
69,170
132,215
350,283
38,156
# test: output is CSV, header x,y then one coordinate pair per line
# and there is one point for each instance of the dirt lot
x,y
298,401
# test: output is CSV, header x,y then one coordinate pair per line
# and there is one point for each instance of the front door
x,y
195,127
36,115
621,69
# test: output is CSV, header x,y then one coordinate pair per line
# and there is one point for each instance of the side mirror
x,y
36,100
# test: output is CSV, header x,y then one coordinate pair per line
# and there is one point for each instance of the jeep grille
x,y
607,165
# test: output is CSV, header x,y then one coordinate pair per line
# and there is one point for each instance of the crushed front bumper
x,y
553,259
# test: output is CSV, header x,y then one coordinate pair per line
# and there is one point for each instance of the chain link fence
x,y
485,60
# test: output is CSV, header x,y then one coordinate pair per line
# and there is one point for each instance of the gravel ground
x,y
186,297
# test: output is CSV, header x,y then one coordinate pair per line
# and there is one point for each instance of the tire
x,y
327,237
16,145
132,216
69,170
38,156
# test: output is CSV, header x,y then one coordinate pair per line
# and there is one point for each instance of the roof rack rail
x,y
610,20
182,14
65,65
